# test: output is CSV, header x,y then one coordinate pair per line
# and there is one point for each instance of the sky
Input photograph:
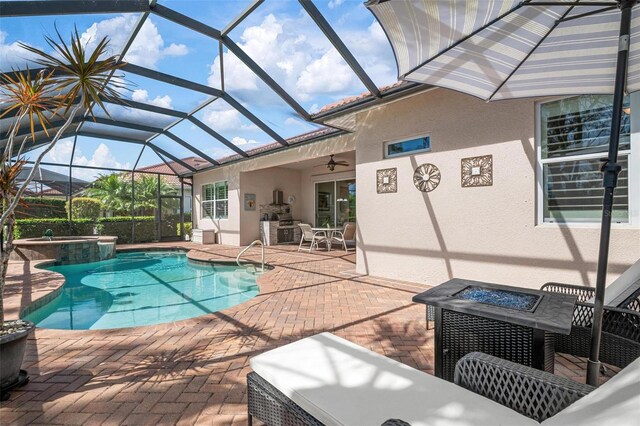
x,y
279,36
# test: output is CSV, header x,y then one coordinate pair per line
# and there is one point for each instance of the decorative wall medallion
x,y
426,177
387,181
477,171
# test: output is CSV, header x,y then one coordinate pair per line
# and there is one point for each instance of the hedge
x,y
120,226
44,208
84,208
34,228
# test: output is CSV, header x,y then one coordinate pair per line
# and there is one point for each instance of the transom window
x,y
411,146
215,200
574,137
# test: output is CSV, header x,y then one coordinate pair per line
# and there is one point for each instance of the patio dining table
x,y
329,232
513,323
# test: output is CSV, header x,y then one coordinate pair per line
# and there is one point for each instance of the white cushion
x,y
622,283
615,403
341,383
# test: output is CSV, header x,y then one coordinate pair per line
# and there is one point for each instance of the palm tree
x,y
146,191
73,81
113,191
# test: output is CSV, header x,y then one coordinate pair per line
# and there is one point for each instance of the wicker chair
x,y
532,393
620,343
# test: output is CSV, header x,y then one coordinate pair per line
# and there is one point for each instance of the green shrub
x,y
120,226
187,229
35,228
84,208
44,208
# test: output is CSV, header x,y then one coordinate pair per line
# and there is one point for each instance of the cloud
x,y
101,157
327,75
335,3
371,48
146,50
141,95
61,152
226,119
291,51
14,56
238,141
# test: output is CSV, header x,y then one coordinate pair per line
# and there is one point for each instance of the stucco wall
x,y
241,228
486,233
262,183
228,230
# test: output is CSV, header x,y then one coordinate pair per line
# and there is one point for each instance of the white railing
x,y
247,248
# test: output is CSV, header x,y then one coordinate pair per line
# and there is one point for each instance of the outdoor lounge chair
x,y
324,379
311,237
620,344
346,236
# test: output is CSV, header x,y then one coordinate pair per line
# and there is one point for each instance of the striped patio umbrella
x,y
503,49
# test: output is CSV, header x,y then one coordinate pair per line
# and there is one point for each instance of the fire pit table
x,y
509,322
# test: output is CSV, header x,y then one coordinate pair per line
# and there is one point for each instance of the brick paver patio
x,y
193,371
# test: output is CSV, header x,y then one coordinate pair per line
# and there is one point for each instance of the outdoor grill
x,y
283,219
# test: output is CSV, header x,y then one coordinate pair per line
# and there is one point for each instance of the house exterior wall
x,y
483,233
242,227
262,183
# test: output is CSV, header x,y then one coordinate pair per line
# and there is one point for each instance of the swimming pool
x,y
142,288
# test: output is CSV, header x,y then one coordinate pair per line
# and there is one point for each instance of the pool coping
x,y
43,300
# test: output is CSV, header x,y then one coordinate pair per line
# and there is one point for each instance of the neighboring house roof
x,y
49,192
171,167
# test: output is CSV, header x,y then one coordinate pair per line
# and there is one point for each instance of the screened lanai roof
x,y
218,80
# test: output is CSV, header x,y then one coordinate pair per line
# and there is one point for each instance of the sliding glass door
x,y
335,202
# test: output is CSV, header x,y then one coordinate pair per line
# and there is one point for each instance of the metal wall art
x,y
426,177
477,171
387,181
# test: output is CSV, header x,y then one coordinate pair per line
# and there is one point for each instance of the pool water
x,y
142,288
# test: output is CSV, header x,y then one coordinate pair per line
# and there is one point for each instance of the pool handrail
x,y
247,248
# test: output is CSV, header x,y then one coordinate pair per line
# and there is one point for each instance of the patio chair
x,y
311,237
347,235
620,344
324,379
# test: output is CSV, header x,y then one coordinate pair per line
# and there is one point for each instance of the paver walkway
x,y
193,371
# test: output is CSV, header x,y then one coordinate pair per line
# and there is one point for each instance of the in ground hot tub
x,y
65,250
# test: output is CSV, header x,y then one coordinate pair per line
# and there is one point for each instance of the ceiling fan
x,y
331,165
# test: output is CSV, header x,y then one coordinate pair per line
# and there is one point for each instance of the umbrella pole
x,y
611,170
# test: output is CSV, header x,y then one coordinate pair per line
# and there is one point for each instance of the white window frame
x,y
407,139
214,202
633,158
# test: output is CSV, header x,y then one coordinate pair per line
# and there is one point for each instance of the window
x,y
574,137
215,200
396,149
335,202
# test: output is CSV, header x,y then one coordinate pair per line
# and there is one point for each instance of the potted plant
x,y
72,81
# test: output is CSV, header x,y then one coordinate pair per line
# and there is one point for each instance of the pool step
x,y
250,270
